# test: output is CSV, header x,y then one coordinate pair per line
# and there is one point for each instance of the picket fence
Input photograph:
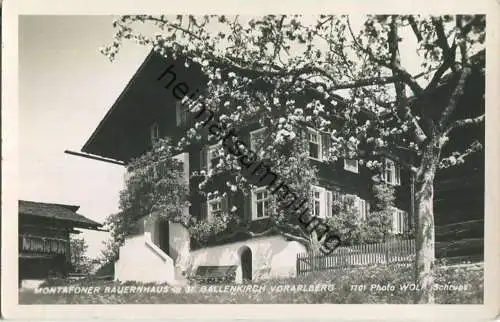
x,y
397,251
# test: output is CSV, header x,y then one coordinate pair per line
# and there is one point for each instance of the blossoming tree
x,y
260,67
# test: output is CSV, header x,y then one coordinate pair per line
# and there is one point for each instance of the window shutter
x,y
203,210
203,158
385,178
329,203
325,145
359,204
247,205
178,113
225,204
394,220
398,173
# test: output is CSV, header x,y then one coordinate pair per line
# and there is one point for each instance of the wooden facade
x,y
125,133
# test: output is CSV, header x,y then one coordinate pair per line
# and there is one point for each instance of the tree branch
x,y
457,158
457,93
462,43
403,108
414,27
396,68
465,122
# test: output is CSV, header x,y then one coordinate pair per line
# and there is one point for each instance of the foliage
x,y
79,260
155,187
205,230
290,70
378,224
465,275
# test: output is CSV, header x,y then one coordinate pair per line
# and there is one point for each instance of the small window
x,y
214,208
261,204
214,156
351,165
154,133
314,144
181,113
391,173
256,139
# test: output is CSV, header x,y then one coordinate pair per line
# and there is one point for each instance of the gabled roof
x,y
124,131
56,211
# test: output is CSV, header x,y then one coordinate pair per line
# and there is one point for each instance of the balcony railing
x,y
38,244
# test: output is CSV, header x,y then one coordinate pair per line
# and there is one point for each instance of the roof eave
x,y
101,124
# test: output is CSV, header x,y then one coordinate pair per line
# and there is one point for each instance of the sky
x,y
66,86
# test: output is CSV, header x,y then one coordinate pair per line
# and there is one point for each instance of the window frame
x,y
211,148
395,178
210,202
319,143
350,169
252,144
322,201
254,203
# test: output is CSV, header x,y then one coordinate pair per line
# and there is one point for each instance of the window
x,y
314,143
351,165
399,221
391,173
361,205
154,132
256,138
214,208
214,155
261,204
181,113
318,202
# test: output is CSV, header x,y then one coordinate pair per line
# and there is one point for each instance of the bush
x,y
344,292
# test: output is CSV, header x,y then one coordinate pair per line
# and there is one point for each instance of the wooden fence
x,y
395,251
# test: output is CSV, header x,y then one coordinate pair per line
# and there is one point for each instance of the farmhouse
x,y
44,234
164,251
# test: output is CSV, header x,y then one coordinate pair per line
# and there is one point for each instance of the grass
x,y
340,291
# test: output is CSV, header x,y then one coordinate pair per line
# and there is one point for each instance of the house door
x,y
246,264
163,234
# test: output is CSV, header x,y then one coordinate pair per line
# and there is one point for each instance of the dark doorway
x,y
246,264
163,234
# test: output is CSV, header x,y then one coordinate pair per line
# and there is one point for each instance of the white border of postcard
x,y
10,308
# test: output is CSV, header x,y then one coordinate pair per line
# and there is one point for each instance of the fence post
x,y
297,266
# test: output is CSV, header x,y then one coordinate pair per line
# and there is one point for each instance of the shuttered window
x,y
216,207
314,144
391,173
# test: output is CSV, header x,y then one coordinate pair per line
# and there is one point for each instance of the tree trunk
x,y
425,240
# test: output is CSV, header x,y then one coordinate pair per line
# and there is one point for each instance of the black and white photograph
x,y
321,158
